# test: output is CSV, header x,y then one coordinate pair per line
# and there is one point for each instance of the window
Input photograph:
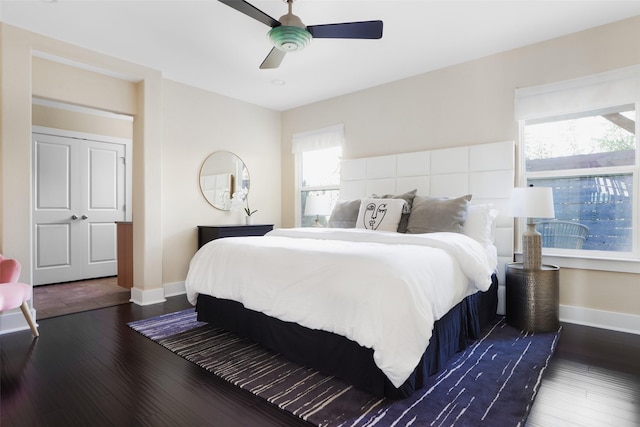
x,y
588,160
579,137
318,155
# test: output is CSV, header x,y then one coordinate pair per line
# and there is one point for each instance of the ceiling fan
x,y
289,34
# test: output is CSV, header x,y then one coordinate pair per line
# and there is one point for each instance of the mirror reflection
x,y
222,174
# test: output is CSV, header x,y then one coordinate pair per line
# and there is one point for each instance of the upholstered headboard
x,y
487,171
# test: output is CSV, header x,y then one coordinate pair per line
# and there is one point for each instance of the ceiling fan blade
x,y
273,60
347,30
252,11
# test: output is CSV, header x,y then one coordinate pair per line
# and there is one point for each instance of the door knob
x,y
74,216
84,217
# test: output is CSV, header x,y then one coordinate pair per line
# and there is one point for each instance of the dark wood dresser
x,y
125,253
207,233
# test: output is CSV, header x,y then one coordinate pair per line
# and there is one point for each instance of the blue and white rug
x,y
491,383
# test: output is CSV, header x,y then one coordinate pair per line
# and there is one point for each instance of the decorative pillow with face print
x,y
380,214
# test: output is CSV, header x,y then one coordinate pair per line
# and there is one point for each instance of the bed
x,y
378,308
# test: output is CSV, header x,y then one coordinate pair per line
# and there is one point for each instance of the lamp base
x,y
316,223
531,248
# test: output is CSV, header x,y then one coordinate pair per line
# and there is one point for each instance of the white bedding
x,y
383,290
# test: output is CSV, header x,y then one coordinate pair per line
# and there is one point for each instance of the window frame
x,y
591,92
301,189
628,262
324,138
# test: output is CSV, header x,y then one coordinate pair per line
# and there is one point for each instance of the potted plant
x,y
248,211
241,198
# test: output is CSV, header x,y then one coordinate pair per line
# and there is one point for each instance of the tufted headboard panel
x,y
487,171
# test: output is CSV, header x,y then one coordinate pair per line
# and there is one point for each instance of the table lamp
x,y
317,204
531,202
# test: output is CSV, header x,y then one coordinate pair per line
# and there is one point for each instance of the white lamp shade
x,y
317,204
532,202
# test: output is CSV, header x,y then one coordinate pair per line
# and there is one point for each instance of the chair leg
x,y
27,315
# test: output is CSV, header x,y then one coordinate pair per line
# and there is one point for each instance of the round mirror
x,y
222,174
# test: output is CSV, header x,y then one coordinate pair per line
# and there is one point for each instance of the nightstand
x,y
533,297
207,233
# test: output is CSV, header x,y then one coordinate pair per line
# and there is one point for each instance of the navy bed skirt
x,y
336,355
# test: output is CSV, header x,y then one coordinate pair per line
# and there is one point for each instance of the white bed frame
x,y
487,171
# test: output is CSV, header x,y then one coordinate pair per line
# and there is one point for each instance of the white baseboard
x,y
147,297
155,296
173,289
14,321
622,322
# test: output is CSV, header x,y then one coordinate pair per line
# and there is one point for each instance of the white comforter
x,y
383,290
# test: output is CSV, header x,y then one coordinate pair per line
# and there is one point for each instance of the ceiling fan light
x,y
289,38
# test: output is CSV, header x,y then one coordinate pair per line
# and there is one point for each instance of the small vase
x,y
249,220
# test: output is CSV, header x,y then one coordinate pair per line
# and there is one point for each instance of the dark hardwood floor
x,y
593,380
90,369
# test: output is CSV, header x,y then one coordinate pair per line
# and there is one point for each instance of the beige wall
x,y
196,124
472,103
60,118
600,290
175,127
24,75
57,81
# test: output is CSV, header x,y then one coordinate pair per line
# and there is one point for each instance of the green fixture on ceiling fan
x,y
289,34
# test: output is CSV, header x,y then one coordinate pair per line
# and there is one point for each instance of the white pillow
x,y
380,214
481,223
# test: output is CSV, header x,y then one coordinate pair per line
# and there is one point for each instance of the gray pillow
x,y
344,214
432,214
408,197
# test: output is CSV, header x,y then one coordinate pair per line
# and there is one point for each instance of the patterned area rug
x,y
492,383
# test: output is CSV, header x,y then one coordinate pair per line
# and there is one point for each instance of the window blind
x,y
318,139
593,92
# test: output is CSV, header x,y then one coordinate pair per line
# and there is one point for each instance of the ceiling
x,y
209,45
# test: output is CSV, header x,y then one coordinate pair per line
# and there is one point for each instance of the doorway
x,y
79,192
81,187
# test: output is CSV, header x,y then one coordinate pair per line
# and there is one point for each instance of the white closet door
x,y
79,194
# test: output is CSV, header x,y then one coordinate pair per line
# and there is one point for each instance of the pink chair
x,y
14,294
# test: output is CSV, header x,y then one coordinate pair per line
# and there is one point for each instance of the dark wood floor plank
x,y
575,406
91,369
575,394
600,348
598,384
